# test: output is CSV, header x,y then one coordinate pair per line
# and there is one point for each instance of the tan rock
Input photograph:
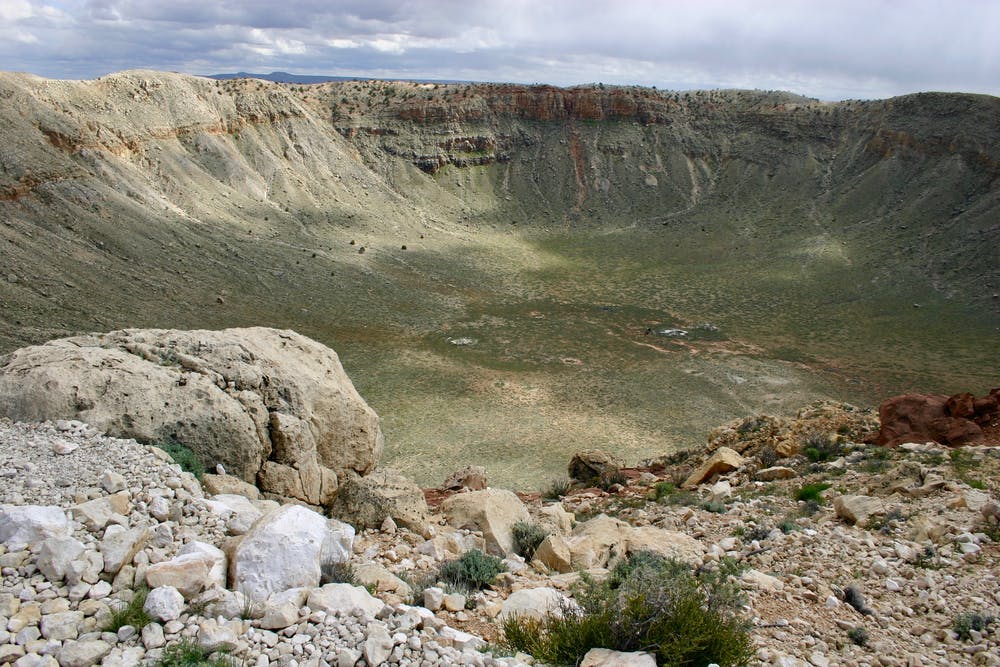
x,y
723,460
667,543
492,511
774,473
554,553
555,519
228,485
595,542
856,509
472,478
591,465
365,502
603,657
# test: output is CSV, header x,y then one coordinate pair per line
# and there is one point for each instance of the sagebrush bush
x,y
473,571
967,622
184,457
527,537
332,572
820,447
186,653
557,489
648,603
811,492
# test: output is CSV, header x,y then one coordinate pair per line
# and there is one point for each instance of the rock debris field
x,y
893,563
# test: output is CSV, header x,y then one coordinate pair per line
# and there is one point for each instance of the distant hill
x,y
287,77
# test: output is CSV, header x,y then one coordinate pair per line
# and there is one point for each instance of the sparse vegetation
x,y
820,447
527,537
811,492
650,604
186,653
858,635
184,457
473,571
334,572
965,623
129,613
557,489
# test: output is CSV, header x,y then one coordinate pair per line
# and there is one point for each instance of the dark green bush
x,y
472,571
187,653
820,447
858,635
527,537
648,603
184,457
812,492
967,622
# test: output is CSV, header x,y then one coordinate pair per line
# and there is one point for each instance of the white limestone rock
x,y
24,525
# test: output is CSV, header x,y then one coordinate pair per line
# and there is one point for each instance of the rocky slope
x,y
880,568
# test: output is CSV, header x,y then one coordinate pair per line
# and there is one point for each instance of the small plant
x,y
975,483
474,570
184,457
186,653
714,506
557,489
768,457
129,613
527,537
662,490
757,533
610,479
967,622
647,603
333,572
858,635
820,447
812,492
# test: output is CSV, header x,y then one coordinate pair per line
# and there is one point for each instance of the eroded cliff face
x,y
551,227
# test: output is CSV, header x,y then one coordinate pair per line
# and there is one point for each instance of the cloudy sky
x,y
832,49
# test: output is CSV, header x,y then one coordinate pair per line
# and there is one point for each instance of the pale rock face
x,y
338,545
379,576
164,603
212,391
218,570
667,543
228,485
555,554
603,657
556,519
82,654
214,636
56,555
762,581
596,542
98,513
30,524
189,573
282,609
774,473
534,603
61,626
344,597
281,551
120,545
378,644
493,511
472,478
856,509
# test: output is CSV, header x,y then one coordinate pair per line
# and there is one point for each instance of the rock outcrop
x,y
271,406
947,420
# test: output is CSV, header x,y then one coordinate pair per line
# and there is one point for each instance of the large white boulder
x,y
283,550
666,543
534,603
332,598
269,405
492,511
29,524
197,567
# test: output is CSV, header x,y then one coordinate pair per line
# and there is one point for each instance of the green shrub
x,y
714,506
966,623
474,570
129,613
186,653
527,537
648,603
858,635
820,447
811,492
184,457
662,490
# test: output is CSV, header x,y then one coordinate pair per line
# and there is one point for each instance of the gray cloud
x,y
849,48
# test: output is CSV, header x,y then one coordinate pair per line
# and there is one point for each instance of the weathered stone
x,y
189,573
433,598
214,485
112,482
98,513
282,609
120,545
152,636
856,509
365,502
534,603
762,581
281,551
667,543
30,524
61,626
211,390
935,417
591,466
344,597
471,478
56,556
595,542
382,579
493,511
378,644
164,603
82,653
603,657
774,473
215,636
555,519
554,553
723,460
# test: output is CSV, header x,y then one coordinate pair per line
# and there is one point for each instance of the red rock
x,y
932,417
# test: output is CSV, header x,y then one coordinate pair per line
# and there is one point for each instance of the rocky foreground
x,y
893,563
